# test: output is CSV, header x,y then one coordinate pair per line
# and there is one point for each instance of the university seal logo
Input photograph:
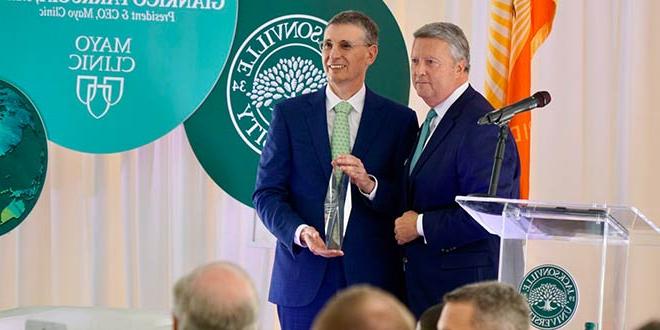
x,y
275,56
279,60
552,295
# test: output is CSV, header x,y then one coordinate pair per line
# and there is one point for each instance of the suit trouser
x,y
301,318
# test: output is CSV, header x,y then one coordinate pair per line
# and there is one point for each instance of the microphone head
x,y
542,98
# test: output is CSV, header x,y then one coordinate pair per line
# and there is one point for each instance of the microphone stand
x,y
498,158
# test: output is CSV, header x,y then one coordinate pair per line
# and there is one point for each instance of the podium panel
x,y
573,262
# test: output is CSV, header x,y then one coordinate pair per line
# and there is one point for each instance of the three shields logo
x,y
112,89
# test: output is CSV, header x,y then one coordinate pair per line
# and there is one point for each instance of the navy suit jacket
x,y
456,161
292,180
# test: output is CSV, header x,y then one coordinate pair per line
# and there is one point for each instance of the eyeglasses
x,y
344,46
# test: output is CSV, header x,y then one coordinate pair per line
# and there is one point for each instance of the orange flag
x,y
517,28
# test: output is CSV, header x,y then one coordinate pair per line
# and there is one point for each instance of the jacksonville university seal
x,y
552,295
279,60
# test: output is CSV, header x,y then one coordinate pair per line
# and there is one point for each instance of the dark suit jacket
x,y
292,180
456,161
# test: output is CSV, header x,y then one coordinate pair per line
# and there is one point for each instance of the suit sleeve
x,y
271,194
452,227
388,198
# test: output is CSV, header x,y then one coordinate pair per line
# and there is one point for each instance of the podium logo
x,y
112,89
279,60
552,295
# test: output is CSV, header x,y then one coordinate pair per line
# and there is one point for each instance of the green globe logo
x,y
279,60
552,295
23,157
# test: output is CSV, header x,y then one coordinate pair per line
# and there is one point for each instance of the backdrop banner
x,y
112,75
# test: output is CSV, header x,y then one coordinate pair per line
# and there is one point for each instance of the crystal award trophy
x,y
334,210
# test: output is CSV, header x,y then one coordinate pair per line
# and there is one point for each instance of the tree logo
x,y
279,60
552,295
276,56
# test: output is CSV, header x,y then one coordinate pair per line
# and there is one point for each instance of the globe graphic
x,y
23,157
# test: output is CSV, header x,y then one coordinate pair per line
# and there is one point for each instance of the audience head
x,y
364,307
484,306
219,295
429,319
651,325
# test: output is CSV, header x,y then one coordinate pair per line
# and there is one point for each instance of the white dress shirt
x,y
441,110
357,102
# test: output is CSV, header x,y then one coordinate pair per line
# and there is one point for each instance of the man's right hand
x,y
310,237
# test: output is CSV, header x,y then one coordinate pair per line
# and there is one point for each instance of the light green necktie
x,y
341,139
423,136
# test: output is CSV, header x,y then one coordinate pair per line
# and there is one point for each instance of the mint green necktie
x,y
423,136
341,139
340,142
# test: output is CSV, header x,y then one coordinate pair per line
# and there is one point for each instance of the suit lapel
x,y
370,124
317,122
444,127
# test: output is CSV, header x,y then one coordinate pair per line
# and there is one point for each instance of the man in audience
x,y
484,306
429,319
216,296
651,325
364,307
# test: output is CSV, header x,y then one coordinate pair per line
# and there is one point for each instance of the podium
x,y
575,263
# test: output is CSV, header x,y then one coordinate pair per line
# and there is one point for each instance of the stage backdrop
x,y
117,230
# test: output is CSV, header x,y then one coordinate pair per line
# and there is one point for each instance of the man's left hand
x,y
405,227
354,169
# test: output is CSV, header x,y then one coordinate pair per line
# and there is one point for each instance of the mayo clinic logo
x,y
103,55
279,60
112,89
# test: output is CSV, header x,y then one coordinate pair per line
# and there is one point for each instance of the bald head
x,y
215,296
365,308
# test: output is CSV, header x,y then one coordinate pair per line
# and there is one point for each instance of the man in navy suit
x,y
295,168
444,247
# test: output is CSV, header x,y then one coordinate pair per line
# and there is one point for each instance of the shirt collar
x,y
442,108
356,101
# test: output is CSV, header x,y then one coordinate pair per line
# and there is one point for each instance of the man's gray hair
x,y
196,308
360,19
451,34
497,306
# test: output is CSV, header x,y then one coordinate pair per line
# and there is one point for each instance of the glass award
x,y
335,210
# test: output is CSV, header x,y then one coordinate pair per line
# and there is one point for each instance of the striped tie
x,y
423,136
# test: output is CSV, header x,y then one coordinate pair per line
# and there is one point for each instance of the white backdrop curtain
x,y
117,230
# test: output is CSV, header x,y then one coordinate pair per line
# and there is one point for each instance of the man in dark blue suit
x,y
295,167
444,247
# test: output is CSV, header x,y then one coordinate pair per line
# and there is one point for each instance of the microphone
x,y
501,116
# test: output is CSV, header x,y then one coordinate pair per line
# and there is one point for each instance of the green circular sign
x,y
23,157
552,295
276,56
112,75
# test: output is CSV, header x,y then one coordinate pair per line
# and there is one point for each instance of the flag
x,y
516,29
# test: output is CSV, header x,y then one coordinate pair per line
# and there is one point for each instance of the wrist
x,y
368,186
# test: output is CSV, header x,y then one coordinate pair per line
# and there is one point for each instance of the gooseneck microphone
x,y
502,116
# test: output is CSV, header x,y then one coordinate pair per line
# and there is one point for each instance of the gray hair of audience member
x,y
651,325
219,295
429,319
363,307
359,19
452,35
496,305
